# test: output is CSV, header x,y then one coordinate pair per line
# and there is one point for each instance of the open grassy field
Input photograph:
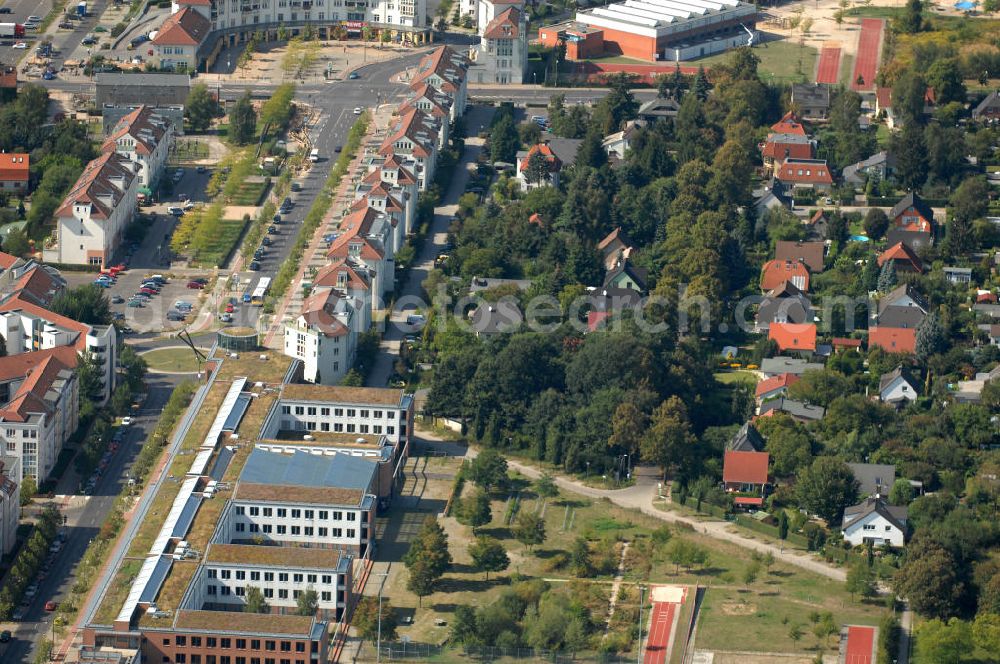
x,y
215,252
730,377
780,61
250,191
177,360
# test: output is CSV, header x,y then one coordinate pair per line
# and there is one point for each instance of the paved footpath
x,y
641,496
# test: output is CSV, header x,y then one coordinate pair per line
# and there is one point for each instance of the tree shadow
x,y
709,571
443,607
462,568
570,502
502,532
780,574
547,554
768,593
453,585
517,483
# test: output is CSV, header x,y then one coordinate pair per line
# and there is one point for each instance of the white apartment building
x,y
144,137
412,136
26,327
502,54
93,216
302,499
366,237
324,336
351,280
436,107
41,407
445,70
10,501
396,176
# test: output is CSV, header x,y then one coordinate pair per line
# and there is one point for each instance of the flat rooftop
x,y
308,495
274,556
254,624
376,396
321,438
301,469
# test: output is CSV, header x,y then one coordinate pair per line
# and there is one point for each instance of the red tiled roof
x,y
39,369
411,126
14,167
793,336
185,28
775,272
444,63
775,148
197,3
776,383
745,467
901,252
504,25
800,171
893,339
143,125
844,342
789,124
328,274
39,285
17,303
550,157
748,500
7,261
95,186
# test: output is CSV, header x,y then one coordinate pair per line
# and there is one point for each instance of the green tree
x,y
827,487
475,511
255,602
87,304
201,107
820,387
488,470
428,557
580,559
861,580
307,603
279,108
912,19
750,573
931,337
887,277
782,525
488,555
986,632
876,223
503,140
242,121
945,78
537,169
910,149
463,625
930,580
366,619
530,529
545,486
901,492
16,243
29,487
870,274
669,440
944,643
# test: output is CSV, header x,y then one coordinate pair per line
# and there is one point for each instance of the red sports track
x,y
867,60
661,628
829,65
859,645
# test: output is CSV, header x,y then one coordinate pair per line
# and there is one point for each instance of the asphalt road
x,y
84,521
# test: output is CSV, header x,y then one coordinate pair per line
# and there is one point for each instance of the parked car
x,y
89,40
175,211
230,308
20,45
6,10
126,421
182,305
276,219
135,304
254,266
266,241
197,285
175,316
147,291
188,205
5,636
271,230
338,149
353,76
296,186
50,605
226,318
357,110
117,299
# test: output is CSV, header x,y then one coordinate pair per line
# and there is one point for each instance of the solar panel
x,y
237,413
186,517
221,463
156,578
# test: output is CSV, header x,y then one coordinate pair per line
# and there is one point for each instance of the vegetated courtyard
x,y
770,608
173,360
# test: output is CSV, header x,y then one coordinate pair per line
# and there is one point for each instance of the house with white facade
x,y
10,501
351,280
144,137
898,387
179,40
364,234
91,221
323,336
875,521
39,393
434,104
620,142
412,136
446,70
502,54
395,174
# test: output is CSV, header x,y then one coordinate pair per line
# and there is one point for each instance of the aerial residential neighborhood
x,y
654,330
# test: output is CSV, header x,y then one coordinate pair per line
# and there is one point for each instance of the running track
x,y
829,65
860,642
867,60
659,632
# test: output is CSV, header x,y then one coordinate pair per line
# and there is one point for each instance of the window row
x,y
241,575
297,513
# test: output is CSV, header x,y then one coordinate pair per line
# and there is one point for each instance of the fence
x,y
399,652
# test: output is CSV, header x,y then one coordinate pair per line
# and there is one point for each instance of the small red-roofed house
x,y
775,272
903,257
789,124
804,174
745,473
14,170
793,336
775,386
893,339
844,343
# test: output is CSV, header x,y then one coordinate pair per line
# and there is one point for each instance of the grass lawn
x,y
846,68
779,61
188,149
174,360
216,253
731,377
617,60
250,191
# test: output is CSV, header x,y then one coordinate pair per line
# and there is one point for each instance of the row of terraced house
x,y
359,277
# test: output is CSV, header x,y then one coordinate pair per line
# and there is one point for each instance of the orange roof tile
x,y
789,124
776,383
505,25
902,253
14,167
793,336
893,339
745,467
775,272
187,27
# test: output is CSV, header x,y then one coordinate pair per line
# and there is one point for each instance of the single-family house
x,y
620,142
810,253
876,522
880,166
812,100
747,439
912,213
501,317
784,304
776,272
626,275
958,275
179,39
893,339
774,387
615,248
658,109
844,343
746,475
897,387
790,123
797,410
608,302
779,147
904,258
874,479
529,175
994,334
804,174
14,170
902,307
816,225
793,337
775,366
988,110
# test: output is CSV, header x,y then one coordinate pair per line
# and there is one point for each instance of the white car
x,y
126,421
357,110
20,45
189,205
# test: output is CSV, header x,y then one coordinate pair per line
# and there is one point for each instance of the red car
x,y
147,291
196,284
229,309
50,605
